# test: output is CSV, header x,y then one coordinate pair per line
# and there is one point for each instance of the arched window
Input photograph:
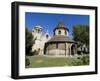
x,y
65,32
56,45
59,32
47,36
38,31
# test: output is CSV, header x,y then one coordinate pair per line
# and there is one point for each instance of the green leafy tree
x,y
29,41
81,34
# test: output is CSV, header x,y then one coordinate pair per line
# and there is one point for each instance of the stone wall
x,y
61,49
55,52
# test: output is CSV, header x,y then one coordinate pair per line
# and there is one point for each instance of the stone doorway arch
x,y
73,49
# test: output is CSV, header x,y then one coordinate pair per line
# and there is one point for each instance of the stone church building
x,y
40,39
59,44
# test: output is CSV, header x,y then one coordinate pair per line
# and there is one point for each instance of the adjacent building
x,y
40,38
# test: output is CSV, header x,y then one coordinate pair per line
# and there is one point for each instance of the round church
x,y
60,43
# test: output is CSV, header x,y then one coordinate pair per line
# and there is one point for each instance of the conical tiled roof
x,y
61,26
61,39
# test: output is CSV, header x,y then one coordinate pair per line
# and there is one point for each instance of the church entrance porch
x,y
73,49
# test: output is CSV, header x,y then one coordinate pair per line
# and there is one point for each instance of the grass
x,y
42,61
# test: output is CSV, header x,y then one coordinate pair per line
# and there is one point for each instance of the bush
x,y
79,52
78,57
84,60
27,62
81,61
77,62
35,52
30,54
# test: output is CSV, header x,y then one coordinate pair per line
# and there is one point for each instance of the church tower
x,y
61,30
40,38
37,32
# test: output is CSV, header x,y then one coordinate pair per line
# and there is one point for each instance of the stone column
x,y
65,50
76,50
70,50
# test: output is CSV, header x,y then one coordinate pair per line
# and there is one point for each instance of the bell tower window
x,y
38,30
59,32
47,36
65,33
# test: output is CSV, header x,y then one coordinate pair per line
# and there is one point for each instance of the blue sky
x,y
49,21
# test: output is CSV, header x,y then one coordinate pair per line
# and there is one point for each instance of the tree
x,y
81,34
29,41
